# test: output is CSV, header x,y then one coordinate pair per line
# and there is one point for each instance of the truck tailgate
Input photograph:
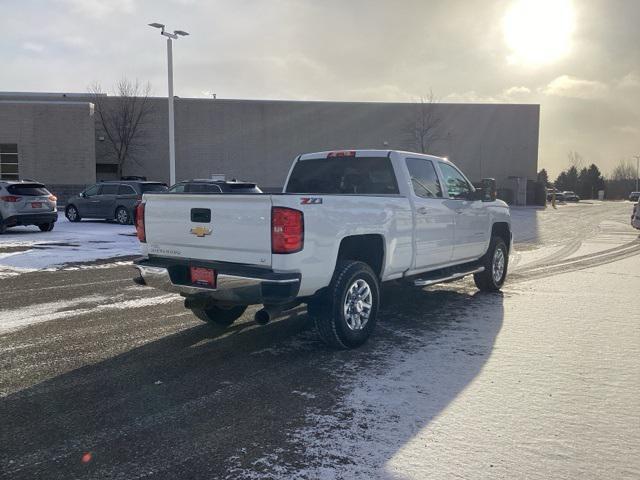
x,y
239,229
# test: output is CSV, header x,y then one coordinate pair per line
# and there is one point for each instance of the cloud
x,y
99,8
573,87
33,47
382,93
508,95
626,129
630,80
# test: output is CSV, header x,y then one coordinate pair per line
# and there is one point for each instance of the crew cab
x,y
345,222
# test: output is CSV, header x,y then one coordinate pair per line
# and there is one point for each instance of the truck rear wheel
x,y
346,315
495,264
219,315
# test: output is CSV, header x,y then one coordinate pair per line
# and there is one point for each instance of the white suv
x,y
26,203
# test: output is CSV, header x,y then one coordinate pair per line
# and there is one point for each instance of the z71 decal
x,y
310,200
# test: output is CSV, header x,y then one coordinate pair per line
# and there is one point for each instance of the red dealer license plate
x,y
204,277
36,204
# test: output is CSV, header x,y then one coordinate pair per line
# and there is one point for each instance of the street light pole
x,y
172,140
172,135
637,157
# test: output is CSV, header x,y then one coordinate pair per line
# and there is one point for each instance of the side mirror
x,y
489,189
81,194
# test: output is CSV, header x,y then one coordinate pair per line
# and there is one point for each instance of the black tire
x,y
72,213
3,227
486,281
219,316
122,216
328,312
46,227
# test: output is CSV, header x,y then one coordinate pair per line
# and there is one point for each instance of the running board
x,y
427,282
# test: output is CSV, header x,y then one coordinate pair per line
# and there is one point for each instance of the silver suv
x,y
26,203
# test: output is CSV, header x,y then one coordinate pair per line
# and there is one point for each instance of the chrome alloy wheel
x,y
357,305
497,268
72,213
122,216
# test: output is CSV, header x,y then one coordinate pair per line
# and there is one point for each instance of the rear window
x,y
153,187
343,175
28,189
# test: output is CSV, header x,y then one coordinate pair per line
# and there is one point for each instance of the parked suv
x,y
634,196
214,186
26,203
113,200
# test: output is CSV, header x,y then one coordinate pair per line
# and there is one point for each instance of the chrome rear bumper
x,y
261,287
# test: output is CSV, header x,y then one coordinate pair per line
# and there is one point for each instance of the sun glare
x,y
538,32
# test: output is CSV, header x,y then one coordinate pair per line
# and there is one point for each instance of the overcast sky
x,y
579,59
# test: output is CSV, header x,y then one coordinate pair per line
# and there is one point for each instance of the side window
x,y
456,184
179,188
203,188
109,189
424,178
91,191
126,190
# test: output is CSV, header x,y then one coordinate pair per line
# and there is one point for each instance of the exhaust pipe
x,y
266,314
262,317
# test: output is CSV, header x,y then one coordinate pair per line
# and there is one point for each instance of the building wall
x,y
56,141
257,140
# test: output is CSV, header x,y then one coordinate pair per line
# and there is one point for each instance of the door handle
x,y
422,210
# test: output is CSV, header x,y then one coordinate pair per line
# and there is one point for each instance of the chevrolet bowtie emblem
x,y
201,231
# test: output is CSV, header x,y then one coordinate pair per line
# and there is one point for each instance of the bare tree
x,y
423,129
575,159
625,170
123,119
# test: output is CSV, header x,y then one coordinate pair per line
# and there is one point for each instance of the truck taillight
x,y
140,231
10,198
287,230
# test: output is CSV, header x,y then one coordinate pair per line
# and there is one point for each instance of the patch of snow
x,y
17,318
67,243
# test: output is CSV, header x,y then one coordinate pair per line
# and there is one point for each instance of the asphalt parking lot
x,y
101,378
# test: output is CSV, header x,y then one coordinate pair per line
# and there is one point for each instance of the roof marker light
x,y
342,153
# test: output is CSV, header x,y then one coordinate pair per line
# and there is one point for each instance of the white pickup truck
x,y
345,222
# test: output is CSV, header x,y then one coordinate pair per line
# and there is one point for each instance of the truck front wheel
x,y
346,315
220,316
495,264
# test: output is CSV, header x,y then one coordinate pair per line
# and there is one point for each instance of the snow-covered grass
x,y
24,249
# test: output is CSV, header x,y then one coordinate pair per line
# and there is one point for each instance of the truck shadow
x,y
199,404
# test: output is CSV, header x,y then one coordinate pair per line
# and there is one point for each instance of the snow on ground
x,y
24,249
540,386
15,319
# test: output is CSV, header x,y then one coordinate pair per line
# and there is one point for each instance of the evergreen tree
x,y
561,182
572,179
